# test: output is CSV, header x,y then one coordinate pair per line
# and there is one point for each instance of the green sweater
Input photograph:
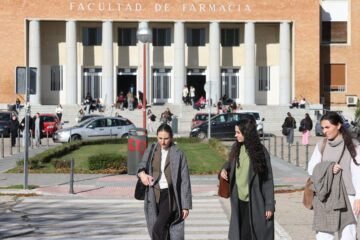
x,y
242,175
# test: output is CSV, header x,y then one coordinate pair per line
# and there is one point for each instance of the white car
x,y
95,128
259,120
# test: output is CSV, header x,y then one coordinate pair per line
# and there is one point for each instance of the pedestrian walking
x,y
335,171
37,130
59,111
151,120
192,95
14,128
249,173
168,199
289,125
305,128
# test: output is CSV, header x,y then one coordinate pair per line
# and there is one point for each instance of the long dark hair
x,y
334,118
252,145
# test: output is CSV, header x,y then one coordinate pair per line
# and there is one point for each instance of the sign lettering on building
x,y
121,6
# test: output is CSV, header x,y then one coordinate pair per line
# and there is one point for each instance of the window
x,y
264,78
161,36
56,78
334,32
334,77
230,37
127,37
161,84
92,36
195,37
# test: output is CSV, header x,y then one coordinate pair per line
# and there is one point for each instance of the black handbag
x,y
140,188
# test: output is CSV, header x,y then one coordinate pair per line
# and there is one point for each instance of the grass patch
x,y
19,187
203,157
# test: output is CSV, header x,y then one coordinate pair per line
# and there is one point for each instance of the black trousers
x,y
244,221
164,217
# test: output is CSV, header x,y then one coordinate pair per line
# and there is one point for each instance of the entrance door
x,y
161,85
197,78
230,83
126,81
92,82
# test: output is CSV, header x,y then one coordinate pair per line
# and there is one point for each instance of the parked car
x,y
95,128
259,120
50,124
5,118
200,118
222,125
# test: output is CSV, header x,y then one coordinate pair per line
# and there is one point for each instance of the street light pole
x,y
144,35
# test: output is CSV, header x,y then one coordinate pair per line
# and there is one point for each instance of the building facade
x,y
256,52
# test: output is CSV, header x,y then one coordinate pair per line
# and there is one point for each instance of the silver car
x,y
95,128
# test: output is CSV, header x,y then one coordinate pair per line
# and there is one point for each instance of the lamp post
x,y
144,35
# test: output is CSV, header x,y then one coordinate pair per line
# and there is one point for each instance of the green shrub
x,y
107,161
61,163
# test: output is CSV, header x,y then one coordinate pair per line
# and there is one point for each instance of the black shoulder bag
x,y
140,188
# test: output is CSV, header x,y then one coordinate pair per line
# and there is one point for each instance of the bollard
x,y
2,145
297,153
71,182
11,152
269,144
282,148
18,141
289,153
47,138
306,156
275,146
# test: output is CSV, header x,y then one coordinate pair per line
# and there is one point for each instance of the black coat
x,y
261,199
14,127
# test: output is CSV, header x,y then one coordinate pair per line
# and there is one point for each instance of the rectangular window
x,y
56,78
195,37
264,78
161,84
334,77
92,36
127,37
230,37
334,32
161,37
230,83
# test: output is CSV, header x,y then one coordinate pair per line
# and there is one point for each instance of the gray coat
x,y
182,191
261,199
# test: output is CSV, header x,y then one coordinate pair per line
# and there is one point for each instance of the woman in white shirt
x,y
168,197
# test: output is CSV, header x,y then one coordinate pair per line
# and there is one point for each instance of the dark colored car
x,y
5,118
222,125
200,118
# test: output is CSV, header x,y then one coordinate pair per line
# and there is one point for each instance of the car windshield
x,y
4,117
83,123
256,115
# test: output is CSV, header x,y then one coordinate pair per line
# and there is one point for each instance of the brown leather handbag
x,y
224,187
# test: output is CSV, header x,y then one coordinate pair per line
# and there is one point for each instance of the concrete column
x,y
35,58
249,89
285,63
107,63
214,61
179,61
71,63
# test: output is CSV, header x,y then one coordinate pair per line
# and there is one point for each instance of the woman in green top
x,y
251,186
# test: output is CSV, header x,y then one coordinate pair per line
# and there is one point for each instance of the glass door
x,y
92,82
161,85
230,83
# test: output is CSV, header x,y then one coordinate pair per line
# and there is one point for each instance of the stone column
x,y
214,61
179,61
107,63
285,63
71,63
250,65
35,58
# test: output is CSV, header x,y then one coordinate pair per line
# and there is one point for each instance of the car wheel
x,y
75,138
125,135
201,135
